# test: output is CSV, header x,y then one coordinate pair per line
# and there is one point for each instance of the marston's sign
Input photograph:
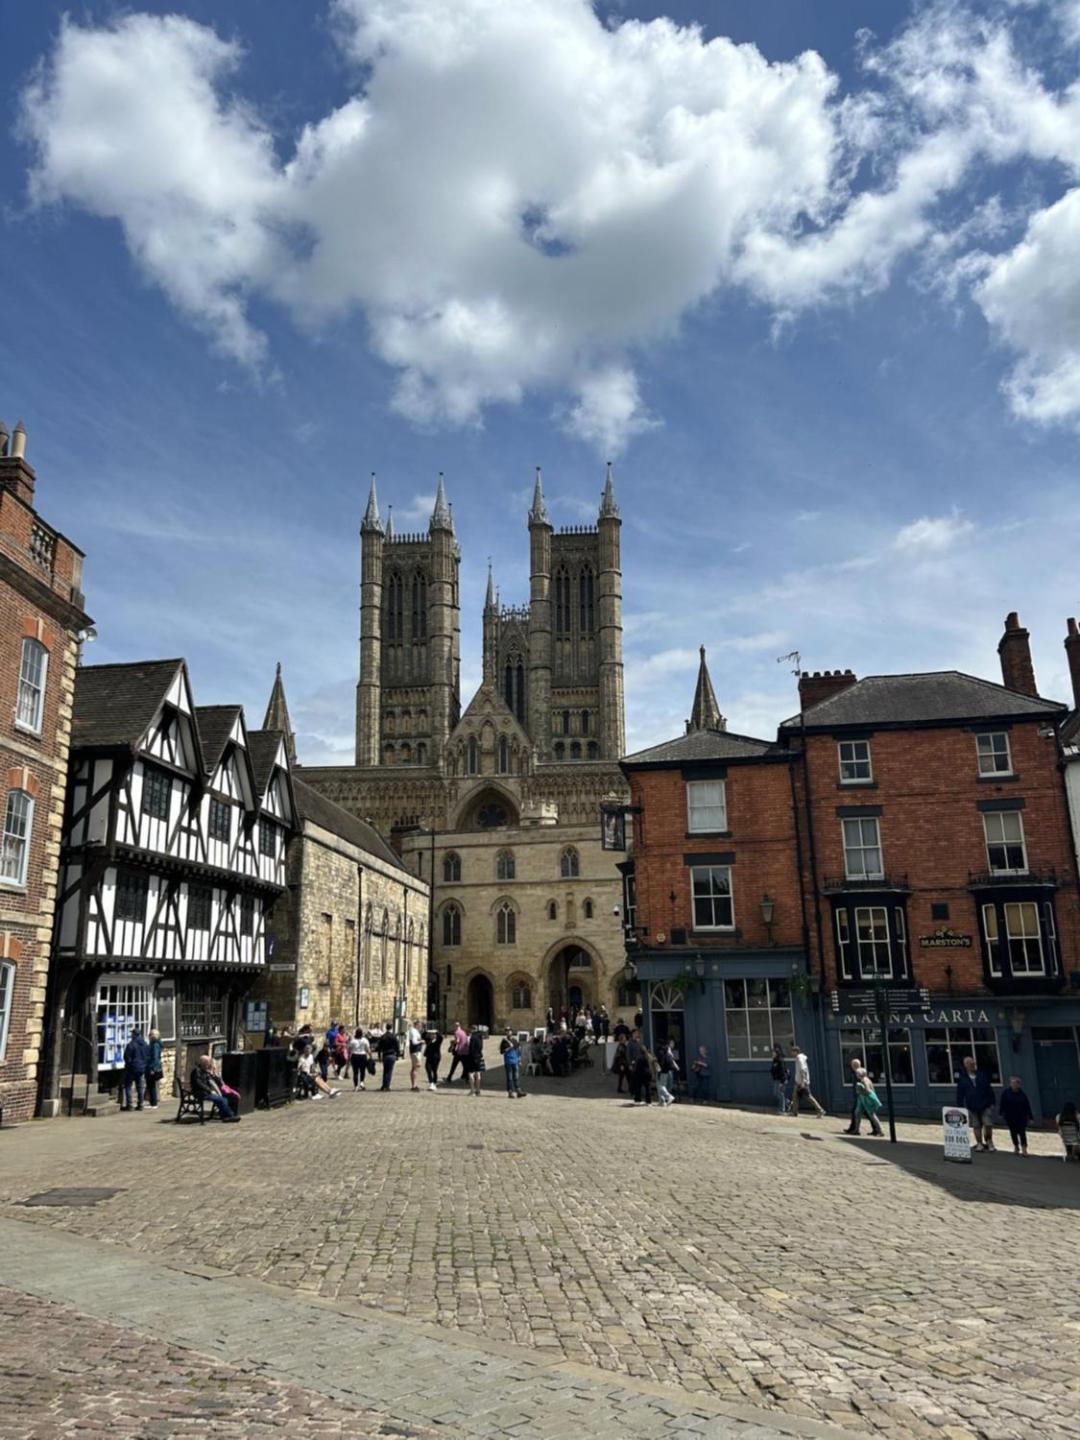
x,y
945,940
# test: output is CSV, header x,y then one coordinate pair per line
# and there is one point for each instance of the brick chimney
x,y
821,684
1072,650
1017,671
15,474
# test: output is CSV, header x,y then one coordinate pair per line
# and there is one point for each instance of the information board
x,y
957,1126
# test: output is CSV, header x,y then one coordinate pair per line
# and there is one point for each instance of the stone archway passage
x,y
571,978
481,1001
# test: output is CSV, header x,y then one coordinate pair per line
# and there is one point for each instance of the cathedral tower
x,y
539,713
612,701
369,686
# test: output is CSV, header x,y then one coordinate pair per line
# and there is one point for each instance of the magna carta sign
x,y
945,940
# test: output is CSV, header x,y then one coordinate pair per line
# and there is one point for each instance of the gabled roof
x,y
329,816
939,695
115,704
215,724
701,745
488,704
263,746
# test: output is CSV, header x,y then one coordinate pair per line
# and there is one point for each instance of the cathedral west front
x,y
497,803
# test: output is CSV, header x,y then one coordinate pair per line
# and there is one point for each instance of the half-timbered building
x,y
174,852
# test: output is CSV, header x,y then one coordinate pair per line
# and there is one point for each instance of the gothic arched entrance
x,y
480,998
572,978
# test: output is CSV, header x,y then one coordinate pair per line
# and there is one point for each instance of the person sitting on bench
x,y
206,1086
310,1079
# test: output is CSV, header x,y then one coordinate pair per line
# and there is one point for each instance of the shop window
x,y
865,1044
947,1045
757,1016
121,1005
202,1013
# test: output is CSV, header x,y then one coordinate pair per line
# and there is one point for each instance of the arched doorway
x,y
481,1001
571,978
667,1011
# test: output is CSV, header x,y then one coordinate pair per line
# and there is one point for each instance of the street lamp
x,y
768,909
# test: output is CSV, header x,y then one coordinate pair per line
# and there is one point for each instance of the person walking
x,y
359,1050
1014,1107
620,1067
475,1061
700,1067
389,1052
976,1094
855,1065
801,1087
667,1069
867,1103
432,1057
511,1055
459,1049
637,1059
154,1071
341,1051
779,1076
415,1042
136,1062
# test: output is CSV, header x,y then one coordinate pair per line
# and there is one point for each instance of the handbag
x,y
371,1064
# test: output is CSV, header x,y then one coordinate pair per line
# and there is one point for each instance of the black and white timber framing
x,y
173,854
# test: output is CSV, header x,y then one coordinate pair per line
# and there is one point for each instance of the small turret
x,y
277,715
441,519
608,509
389,522
371,519
705,713
538,515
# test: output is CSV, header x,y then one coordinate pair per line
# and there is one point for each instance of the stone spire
x,y
441,519
608,509
538,515
489,598
277,715
389,522
705,714
371,514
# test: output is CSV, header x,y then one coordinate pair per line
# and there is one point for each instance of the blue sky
x,y
824,313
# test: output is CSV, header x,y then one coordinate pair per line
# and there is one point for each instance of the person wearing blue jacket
x,y
136,1064
976,1094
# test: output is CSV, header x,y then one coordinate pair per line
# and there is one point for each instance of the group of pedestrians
x,y
642,1071
975,1092
142,1069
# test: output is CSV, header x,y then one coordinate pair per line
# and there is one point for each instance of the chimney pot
x,y
1071,622
18,441
1012,621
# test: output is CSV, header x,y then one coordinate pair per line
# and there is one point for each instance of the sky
x,y
807,273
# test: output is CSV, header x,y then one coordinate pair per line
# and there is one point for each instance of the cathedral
x,y
497,804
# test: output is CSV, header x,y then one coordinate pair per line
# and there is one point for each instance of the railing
x,y
997,879
836,884
91,1048
42,546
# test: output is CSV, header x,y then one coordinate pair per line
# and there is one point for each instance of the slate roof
x,y
263,749
328,816
215,724
114,704
921,699
700,745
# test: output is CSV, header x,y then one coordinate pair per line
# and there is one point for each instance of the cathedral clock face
x,y
492,816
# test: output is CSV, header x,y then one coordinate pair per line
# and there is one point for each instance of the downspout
x,y
812,848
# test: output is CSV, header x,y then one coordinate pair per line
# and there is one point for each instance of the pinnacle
x,y
608,508
705,714
538,515
371,519
441,518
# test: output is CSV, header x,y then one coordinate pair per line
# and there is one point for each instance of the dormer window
x,y
992,752
854,757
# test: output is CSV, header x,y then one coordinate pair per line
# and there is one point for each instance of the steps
x,y
90,1102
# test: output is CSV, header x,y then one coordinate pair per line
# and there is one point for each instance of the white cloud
x,y
521,199
934,534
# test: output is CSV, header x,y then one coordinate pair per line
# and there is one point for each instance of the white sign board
x,y
957,1127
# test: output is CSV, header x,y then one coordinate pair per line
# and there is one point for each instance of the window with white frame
x,y
711,887
992,751
706,806
947,1046
854,758
1024,937
1005,850
872,940
7,991
121,1005
15,845
757,1016
33,670
862,849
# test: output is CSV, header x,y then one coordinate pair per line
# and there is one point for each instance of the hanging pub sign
x,y
945,940
956,1123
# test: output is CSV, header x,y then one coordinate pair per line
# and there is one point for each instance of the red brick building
x,y
41,619
927,818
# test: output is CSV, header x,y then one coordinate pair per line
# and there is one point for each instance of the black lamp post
x,y
768,909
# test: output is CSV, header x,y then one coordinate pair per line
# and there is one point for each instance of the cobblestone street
x,y
535,1267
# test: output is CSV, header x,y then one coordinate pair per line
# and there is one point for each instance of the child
x,y
1069,1129
700,1067
1015,1109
